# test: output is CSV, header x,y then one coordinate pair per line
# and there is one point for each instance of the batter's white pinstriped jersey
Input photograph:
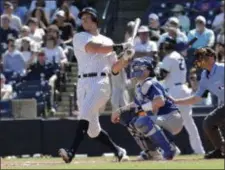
x,y
174,63
92,92
92,62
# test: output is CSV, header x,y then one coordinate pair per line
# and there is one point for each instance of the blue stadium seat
x,y
6,109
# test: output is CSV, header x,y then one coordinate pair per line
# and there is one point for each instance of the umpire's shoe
x,y
215,154
66,155
122,155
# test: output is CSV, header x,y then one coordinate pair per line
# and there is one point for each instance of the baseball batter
x,y
212,80
173,72
95,55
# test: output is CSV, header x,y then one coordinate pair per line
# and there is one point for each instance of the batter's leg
x,y
211,126
81,131
192,130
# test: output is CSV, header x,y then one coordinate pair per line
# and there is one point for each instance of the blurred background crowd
x,y
36,52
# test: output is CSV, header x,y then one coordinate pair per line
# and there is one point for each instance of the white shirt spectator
x,y
38,34
6,91
184,22
149,46
181,37
26,56
50,5
15,22
56,52
218,22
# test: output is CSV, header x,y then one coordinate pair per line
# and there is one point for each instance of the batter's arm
x,y
93,47
119,65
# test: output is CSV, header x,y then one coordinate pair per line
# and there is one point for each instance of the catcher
x,y
152,115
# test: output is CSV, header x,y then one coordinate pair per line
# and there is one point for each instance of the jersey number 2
x,y
181,64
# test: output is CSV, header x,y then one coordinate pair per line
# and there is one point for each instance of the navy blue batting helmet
x,y
139,65
89,10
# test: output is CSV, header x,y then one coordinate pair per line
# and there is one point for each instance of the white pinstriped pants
x,y
182,91
92,94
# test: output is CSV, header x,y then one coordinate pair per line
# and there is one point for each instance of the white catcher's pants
x,y
92,94
182,91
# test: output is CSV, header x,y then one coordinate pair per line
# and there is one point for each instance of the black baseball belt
x,y
92,75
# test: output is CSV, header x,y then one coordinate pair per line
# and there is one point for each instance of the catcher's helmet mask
x,y
138,67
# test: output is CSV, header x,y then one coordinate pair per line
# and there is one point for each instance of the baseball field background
x,y
180,162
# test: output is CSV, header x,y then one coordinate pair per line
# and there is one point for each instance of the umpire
x,y
212,80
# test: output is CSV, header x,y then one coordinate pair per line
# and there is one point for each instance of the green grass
x,y
181,162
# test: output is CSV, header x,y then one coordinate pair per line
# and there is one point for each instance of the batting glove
x,y
128,54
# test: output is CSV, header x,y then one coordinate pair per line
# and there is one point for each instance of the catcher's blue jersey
x,y
150,89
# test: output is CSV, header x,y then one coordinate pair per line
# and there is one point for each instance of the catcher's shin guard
x,y
146,126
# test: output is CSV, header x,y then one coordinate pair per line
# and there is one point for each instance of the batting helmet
x,y
202,55
169,44
91,11
139,65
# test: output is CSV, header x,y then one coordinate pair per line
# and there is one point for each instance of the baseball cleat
x,y
66,155
178,152
150,155
122,155
215,154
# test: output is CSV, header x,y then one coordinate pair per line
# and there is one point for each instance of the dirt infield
x,y
181,162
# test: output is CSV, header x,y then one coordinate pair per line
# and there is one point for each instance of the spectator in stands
x,y
6,89
220,47
218,22
40,15
68,15
53,52
36,33
49,6
178,11
25,31
15,21
145,47
41,70
66,29
69,18
128,30
27,51
53,30
74,10
173,31
194,87
6,32
13,59
205,36
154,27
20,11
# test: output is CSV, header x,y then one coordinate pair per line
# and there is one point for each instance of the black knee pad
x,y
82,126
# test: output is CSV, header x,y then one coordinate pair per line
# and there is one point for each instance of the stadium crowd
x,y
36,44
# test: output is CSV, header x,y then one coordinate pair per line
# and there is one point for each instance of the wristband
x,y
118,48
147,106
